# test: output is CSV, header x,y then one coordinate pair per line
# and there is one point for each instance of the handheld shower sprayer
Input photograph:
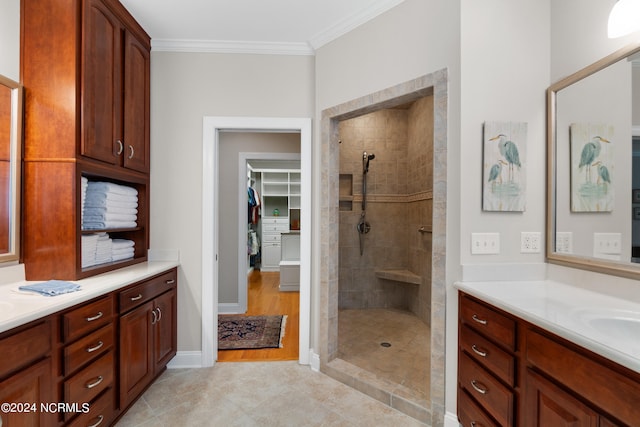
x,y
365,161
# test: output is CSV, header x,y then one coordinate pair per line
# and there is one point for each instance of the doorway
x,y
212,127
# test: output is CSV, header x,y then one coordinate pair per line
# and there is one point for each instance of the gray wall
x,y
231,145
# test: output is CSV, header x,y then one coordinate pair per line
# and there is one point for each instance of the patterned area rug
x,y
236,331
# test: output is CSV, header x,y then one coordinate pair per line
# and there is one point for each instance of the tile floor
x,y
405,362
257,394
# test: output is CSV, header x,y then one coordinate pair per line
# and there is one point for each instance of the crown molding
x,y
276,48
348,24
220,46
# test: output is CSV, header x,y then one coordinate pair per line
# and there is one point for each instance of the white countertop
x,y
18,307
585,317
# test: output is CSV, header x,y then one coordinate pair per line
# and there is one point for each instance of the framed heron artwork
x,y
592,167
504,166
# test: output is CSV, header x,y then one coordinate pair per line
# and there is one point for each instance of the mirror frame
x,y
616,268
15,170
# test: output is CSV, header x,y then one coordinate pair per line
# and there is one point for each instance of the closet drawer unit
x,y
100,412
488,322
276,228
145,291
271,238
89,348
87,318
470,414
270,220
492,395
496,360
84,386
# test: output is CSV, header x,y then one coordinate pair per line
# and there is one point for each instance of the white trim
x,y
243,302
351,22
186,359
231,308
635,130
210,142
451,420
314,360
222,46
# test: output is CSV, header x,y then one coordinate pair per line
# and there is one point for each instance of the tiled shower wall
x,y
399,202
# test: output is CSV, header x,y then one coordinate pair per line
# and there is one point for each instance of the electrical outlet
x,y
530,242
485,243
564,242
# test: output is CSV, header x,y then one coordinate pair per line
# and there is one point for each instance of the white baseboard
x,y
451,420
230,308
186,359
314,360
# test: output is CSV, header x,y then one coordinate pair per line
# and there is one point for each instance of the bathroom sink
x,y
615,324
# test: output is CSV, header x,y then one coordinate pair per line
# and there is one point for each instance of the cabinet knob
x,y
131,151
120,147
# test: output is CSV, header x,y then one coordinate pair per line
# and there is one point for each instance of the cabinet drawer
x,y
498,361
87,318
100,412
494,397
272,221
87,349
271,238
84,386
143,292
489,322
612,389
470,414
281,228
23,348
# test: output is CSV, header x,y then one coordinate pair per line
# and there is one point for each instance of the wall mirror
x,y
593,166
10,167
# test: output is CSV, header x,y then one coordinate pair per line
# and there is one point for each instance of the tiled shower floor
x,y
405,362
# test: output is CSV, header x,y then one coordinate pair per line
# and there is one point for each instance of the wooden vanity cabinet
x,y
511,372
148,333
26,379
85,71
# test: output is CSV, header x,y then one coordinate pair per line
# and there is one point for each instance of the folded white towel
x,y
110,217
111,188
122,243
122,257
110,209
93,198
104,202
102,225
116,253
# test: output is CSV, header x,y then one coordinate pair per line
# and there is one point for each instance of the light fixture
x,y
624,18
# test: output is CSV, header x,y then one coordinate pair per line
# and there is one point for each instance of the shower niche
x,y
346,192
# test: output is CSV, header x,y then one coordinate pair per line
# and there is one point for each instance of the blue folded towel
x,y
51,288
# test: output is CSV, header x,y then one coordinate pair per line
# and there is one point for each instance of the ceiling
x,y
263,26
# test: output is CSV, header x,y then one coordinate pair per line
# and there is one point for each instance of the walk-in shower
x,y
363,226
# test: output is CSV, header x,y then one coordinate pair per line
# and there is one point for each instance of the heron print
x,y
504,167
592,168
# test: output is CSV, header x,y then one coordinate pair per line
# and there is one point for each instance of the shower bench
x,y
399,275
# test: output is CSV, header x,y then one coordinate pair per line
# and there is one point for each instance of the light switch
x,y
485,243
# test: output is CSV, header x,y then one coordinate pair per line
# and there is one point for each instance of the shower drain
x,y
385,344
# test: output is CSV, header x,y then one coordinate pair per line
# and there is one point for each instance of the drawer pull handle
x,y
96,317
95,347
97,423
136,298
120,147
159,314
479,387
475,424
155,317
131,152
479,320
95,383
479,352
170,282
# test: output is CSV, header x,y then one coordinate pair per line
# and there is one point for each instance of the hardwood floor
x,y
266,298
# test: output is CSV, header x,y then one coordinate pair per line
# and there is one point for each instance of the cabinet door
x,y
165,333
548,405
29,387
136,352
101,83
136,104
270,256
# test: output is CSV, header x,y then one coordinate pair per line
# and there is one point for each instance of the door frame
x,y
210,205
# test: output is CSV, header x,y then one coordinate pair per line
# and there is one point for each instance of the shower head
x,y
365,161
